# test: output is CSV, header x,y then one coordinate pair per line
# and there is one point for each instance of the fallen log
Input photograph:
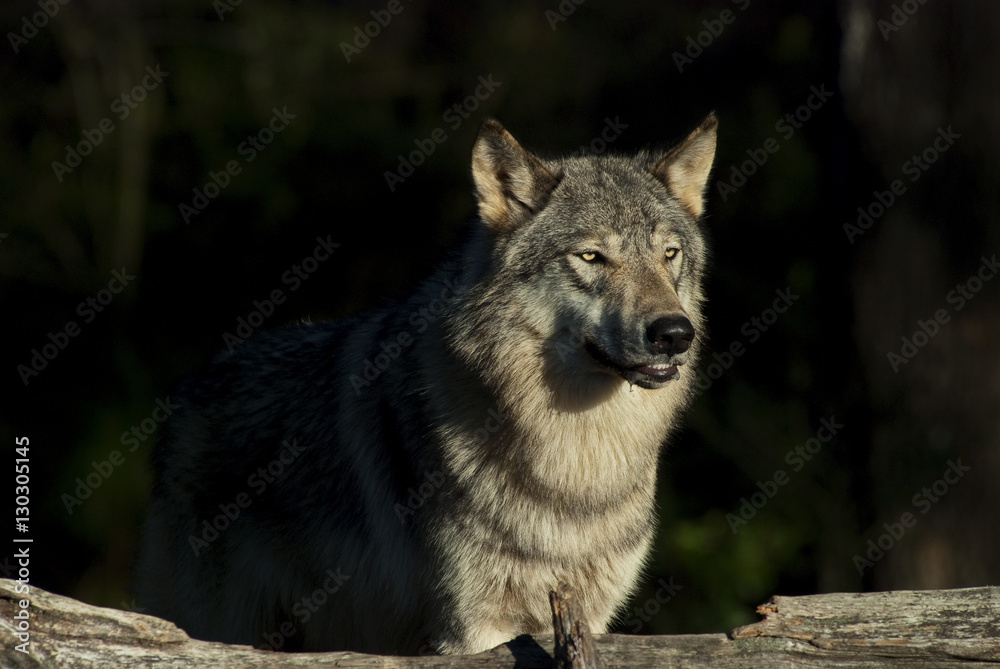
x,y
939,628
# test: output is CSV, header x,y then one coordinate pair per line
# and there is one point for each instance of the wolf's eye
x,y
671,253
590,256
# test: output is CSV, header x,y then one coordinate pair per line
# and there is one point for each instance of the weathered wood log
x,y
943,628
574,645
908,625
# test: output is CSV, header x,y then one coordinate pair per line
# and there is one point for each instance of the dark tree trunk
x,y
908,84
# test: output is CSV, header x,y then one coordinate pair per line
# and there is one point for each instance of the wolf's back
x,y
278,476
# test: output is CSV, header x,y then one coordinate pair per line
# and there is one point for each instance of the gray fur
x,y
509,445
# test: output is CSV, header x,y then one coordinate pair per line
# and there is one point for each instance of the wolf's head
x,y
598,258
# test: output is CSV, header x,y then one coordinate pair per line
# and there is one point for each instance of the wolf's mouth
x,y
647,376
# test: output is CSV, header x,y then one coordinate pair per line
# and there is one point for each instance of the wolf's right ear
x,y
511,183
685,168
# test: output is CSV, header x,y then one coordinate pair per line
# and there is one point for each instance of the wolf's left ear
x,y
684,169
511,183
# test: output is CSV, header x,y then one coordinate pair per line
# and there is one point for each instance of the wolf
x,y
419,477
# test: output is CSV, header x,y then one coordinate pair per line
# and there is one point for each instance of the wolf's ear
x,y
511,183
684,169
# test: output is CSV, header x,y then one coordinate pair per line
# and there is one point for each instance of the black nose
x,y
670,334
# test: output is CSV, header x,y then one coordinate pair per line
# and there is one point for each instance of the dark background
x,y
826,357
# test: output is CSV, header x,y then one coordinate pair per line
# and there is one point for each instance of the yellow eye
x,y
671,253
589,256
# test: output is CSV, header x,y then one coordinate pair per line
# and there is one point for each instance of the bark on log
x,y
941,628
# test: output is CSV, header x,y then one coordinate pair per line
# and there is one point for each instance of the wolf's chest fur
x,y
569,496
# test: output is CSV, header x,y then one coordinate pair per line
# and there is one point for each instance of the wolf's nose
x,y
670,334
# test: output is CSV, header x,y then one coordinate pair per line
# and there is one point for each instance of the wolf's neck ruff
x,y
589,445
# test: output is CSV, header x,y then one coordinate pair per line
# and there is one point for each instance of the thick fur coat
x,y
419,477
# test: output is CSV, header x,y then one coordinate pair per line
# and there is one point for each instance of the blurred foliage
x,y
324,175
